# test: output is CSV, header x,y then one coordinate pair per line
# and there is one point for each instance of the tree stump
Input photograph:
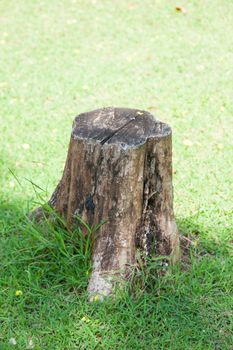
x,y
119,169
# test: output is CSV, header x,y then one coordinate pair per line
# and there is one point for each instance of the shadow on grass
x,y
186,309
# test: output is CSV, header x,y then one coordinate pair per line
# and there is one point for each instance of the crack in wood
x,y
106,139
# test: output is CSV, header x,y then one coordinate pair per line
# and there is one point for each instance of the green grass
x,y
61,58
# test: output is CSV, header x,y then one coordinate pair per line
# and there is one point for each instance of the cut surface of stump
x,y
119,169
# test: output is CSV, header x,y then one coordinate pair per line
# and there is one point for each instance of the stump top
x,y
126,126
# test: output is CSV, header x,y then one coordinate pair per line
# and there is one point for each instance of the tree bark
x,y
119,169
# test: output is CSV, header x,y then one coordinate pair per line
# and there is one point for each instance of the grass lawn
x,y
61,58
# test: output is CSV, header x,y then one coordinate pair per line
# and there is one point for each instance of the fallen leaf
x,y
85,319
96,298
151,108
131,6
181,9
195,243
187,142
219,146
12,341
18,293
71,21
30,344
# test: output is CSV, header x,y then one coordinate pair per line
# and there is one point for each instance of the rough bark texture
x,y
119,169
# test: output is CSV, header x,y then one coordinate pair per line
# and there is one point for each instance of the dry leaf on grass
x,y
187,142
181,9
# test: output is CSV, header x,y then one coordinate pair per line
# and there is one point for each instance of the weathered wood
x,y
119,169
